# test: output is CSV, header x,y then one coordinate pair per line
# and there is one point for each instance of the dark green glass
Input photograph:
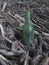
x,y
28,31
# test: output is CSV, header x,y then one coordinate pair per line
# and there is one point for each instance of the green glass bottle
x,y
28,31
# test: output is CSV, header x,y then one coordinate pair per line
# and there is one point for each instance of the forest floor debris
x,y
12,49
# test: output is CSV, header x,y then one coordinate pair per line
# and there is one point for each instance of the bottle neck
x,y
27,17
27,21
